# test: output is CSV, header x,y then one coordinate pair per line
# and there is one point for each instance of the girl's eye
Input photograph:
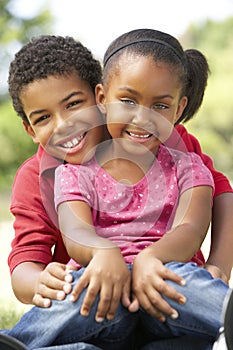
x,y
41,119
160,106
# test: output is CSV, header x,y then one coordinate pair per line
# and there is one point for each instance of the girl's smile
x,y
141,101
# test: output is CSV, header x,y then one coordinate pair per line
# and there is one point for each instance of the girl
x,y
146,90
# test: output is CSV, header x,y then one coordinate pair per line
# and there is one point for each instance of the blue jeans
x,y
62,323
199,320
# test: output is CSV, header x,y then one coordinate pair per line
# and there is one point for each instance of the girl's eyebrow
x,y
126,88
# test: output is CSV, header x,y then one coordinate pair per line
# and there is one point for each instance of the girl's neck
x,y
121,165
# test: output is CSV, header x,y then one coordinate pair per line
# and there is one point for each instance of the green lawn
x,y
10,308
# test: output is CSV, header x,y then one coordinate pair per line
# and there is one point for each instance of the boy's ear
x,y
100,98
182,104
30,132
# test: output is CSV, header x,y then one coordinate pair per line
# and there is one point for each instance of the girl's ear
x,y
100,98
30,132
182,104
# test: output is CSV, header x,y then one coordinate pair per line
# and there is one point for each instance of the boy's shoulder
x,y
26,177
37,164
30,165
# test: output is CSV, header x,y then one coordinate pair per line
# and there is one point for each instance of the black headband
x,y
140,41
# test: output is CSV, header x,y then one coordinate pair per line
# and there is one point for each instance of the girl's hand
x,y
148,283
108,275
54,283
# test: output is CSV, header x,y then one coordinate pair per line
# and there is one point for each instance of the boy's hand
x,y
54,283
148,283
216,272
106,275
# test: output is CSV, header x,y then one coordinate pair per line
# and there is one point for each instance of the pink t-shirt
x,y
133,216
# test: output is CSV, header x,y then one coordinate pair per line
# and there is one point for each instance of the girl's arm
x,y
189,227
106,272
179,244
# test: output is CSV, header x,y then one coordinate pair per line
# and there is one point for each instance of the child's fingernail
x,y
110,317
67,288
71,298
99,319
68,278
183,282
174,315
162,319
60,295
47,302
182,300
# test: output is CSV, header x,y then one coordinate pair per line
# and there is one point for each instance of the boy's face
x,y
63,117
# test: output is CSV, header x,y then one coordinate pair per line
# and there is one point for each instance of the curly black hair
x,y
50,55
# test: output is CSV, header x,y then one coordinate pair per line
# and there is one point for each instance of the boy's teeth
x,y
140,136
73,142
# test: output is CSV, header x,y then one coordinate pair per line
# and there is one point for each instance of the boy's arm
x,y
220,260
35,235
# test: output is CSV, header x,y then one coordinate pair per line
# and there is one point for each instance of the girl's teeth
x,y
73,142
140,136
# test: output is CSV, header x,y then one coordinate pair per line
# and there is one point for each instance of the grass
x,y
5,214
10,308
9,316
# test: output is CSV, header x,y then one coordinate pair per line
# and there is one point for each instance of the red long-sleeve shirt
x,y
37,237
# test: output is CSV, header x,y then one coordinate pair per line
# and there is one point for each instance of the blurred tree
x,y
214,123
15,30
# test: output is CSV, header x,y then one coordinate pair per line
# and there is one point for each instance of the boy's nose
x,y
62,123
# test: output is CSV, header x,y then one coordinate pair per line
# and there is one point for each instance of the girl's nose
x,y
142,116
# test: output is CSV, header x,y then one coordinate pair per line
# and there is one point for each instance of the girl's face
x,y
141,101
63,117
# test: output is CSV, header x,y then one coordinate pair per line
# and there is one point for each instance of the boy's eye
x,y
73,103
128,102
41,119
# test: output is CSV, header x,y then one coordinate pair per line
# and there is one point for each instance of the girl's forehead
x,y
134,61
144,75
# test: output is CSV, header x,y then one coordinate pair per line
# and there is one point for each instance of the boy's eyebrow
x,y
126,88
74,93
36,112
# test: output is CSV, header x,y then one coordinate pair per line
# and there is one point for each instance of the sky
x,y
97,22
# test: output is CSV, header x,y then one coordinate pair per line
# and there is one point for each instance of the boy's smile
x,y
63,117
